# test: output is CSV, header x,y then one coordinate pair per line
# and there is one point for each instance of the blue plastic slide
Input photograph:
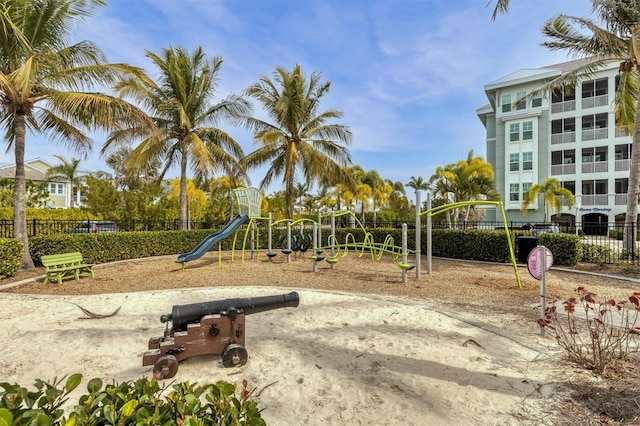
x,y
208,242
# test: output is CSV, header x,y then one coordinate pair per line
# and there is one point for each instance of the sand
x,y
338,358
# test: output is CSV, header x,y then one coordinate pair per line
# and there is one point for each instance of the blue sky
x,y
407,74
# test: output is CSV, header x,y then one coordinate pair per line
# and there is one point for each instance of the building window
x,y
597,187
594,126
520,105
623,152
527,130
56,189
527,160
536,102
514,162
570,185
622,186
563,162
506,103
526,186
563,157
514,132
563,130
514,192
563,100
592,155
594,93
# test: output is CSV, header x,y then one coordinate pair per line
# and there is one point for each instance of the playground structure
x,y
298,240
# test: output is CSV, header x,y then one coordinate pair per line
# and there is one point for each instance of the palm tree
x,y
466,180
553,195
615,40
116,161
380,191
418,184
180,104
299,140
301,190
67,170
48,86
227,183
196,198
502,7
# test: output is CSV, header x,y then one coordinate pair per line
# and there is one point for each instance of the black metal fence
x,y
39,227
602,242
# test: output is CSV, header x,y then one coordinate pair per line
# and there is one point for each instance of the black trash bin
x,y
524,245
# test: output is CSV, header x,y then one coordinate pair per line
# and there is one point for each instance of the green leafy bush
x,y
490,246
10,257
143,402
596,253
566,248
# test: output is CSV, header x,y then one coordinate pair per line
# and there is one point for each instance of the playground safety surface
x,y
473,292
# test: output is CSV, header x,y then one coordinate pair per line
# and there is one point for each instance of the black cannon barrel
x,y
181,315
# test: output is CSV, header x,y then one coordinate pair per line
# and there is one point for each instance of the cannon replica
x,y
216,328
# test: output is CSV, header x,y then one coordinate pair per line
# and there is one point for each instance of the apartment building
x,y
569,134
59,189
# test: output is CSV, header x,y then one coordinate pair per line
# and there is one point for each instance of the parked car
x,y
94,227
543,228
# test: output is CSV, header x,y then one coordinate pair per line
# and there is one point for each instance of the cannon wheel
x,y
165,367
234,355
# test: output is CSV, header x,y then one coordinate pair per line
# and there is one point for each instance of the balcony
x,y
623,165
593,134
595,167
594,200
563,169
567,137
595,101
563,107
621,133
621,199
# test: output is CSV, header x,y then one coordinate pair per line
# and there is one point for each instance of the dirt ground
x,y
475,291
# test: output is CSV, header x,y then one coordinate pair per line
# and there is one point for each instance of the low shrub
x,y
10,257
566,248
143,402
605,331
596,253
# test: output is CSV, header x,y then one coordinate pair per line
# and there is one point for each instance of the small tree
x,y
553,195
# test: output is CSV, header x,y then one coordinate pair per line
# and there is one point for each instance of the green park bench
x,y
65,265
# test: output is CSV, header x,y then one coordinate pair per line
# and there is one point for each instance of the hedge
x,y
10,257
481,245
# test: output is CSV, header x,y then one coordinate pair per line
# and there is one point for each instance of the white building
x,y
59,189
569,135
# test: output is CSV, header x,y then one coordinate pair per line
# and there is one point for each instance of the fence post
x,y
633,241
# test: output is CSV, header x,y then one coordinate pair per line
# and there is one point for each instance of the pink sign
x,y
534,261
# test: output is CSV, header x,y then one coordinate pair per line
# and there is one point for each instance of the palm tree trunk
x,y
290,197
19,191
631,218
183,189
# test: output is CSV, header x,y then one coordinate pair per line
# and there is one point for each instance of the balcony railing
x,y
623,165
595,167
621,199
563,107
563,169
595,101
594,134
594,200
566,137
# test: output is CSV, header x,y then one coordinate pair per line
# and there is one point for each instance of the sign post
x,y
539,262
